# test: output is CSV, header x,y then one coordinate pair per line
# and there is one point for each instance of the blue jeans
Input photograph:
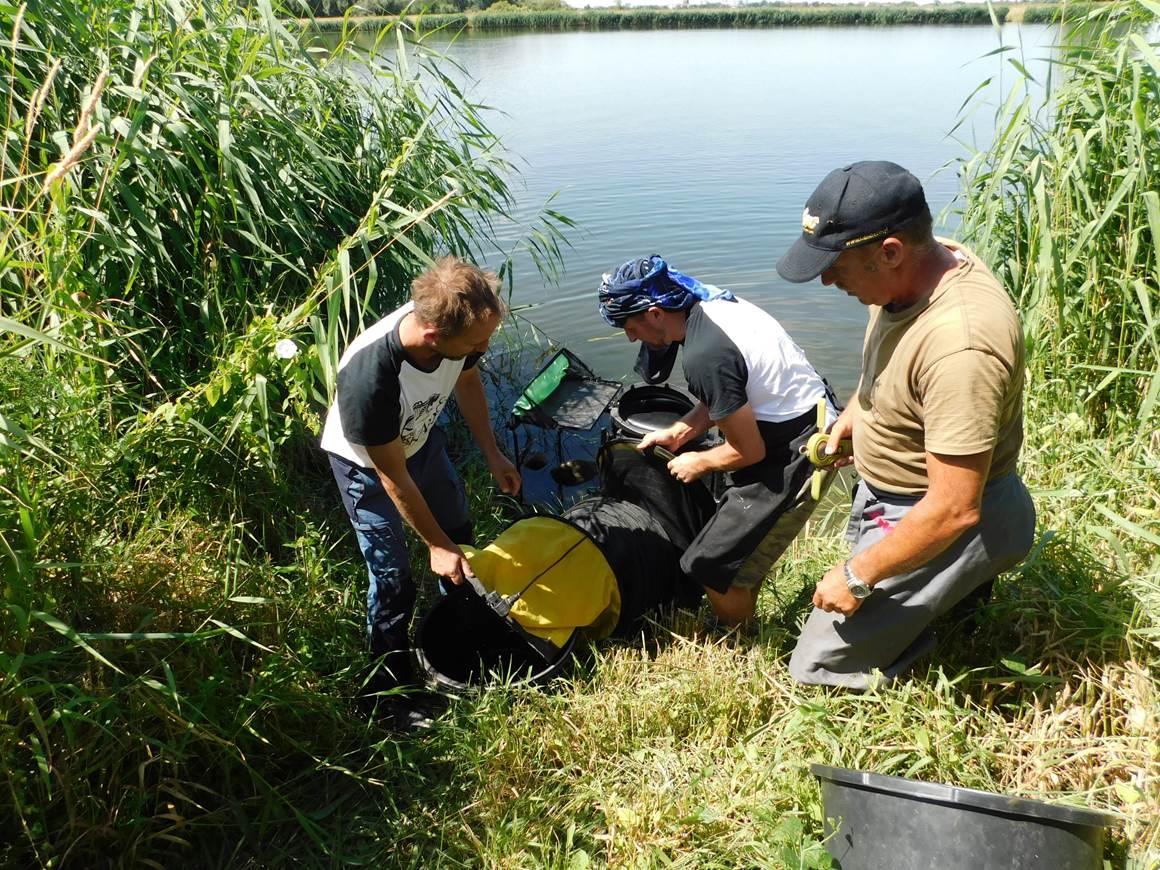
x,y
378,527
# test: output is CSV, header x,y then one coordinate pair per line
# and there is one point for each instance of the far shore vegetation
x,y
198,209
548,15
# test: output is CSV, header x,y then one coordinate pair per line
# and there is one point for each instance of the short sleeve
x,y
368,398
718,376
962,399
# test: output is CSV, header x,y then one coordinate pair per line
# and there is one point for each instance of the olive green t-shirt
x,y
944,375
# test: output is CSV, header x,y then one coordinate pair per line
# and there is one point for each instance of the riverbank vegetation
x,y
543,15
196,214
550,15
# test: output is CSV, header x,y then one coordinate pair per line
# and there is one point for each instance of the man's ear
x,y
430,334
893,251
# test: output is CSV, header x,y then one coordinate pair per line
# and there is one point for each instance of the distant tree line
x,y
763,14
336,8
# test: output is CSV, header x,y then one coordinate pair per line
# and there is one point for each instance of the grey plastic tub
x,y
876,821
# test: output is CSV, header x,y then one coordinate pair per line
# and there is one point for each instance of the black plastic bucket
x,y
645,408
462,642
876,821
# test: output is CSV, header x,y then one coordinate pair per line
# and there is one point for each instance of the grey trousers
x,y
891,628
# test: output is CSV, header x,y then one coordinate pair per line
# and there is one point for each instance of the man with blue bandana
x,y
755,384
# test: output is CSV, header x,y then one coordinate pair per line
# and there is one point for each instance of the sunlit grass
x,y
180,640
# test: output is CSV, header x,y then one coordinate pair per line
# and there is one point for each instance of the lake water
x,y
703,146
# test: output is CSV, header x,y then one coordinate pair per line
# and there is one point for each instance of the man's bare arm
x,y
950,507
447,560
472,401
743,447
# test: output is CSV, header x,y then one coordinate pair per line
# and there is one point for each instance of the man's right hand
x,y
842,429
449,562
671,439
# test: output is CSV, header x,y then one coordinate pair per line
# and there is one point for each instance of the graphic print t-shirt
x,y
382,395
735,354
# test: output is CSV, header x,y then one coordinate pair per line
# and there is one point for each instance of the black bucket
x,y
646,408
875,821
462,642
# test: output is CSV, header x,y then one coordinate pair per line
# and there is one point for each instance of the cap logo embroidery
x,y
809,222
866,238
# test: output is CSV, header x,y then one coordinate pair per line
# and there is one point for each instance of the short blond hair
x,y
453,295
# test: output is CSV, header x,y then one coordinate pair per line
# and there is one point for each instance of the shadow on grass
x,y
1061,608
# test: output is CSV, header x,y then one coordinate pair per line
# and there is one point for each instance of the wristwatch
x,y
858,587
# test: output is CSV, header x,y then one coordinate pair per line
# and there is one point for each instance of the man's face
x,y
474,339
861,273
647,327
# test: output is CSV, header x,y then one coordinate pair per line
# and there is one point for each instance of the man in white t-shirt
x,y
755,384
388,455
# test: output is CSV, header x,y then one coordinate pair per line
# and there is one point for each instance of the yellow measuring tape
x,y
814,450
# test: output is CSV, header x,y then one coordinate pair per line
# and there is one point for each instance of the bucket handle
x,y
491,598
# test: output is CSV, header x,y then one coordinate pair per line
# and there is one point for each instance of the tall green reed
x,y
185,185
1064,205
228,163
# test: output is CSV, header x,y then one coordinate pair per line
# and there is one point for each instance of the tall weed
x,y
185,185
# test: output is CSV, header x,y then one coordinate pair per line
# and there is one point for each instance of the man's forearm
x,y
415,511
927,530
697,421
723,457
473,406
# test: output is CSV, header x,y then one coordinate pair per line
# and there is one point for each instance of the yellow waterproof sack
x,y
565,581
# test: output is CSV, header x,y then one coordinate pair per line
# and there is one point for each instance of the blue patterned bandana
x,y
636,286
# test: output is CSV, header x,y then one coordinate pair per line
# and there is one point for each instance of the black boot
x,y
392,696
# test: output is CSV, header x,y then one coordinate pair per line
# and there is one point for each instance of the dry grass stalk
x,y
83,136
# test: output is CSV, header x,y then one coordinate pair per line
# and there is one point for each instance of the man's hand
x,y
832,593
450,563
687,467
842,428
472,401
505,473
671,438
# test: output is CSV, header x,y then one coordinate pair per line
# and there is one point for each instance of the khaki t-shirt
x,y
944,375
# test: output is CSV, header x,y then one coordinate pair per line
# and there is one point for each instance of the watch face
x,y
858,589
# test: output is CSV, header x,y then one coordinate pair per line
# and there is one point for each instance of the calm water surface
x,y
704,145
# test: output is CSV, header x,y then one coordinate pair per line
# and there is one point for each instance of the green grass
x,y
180,636
508,17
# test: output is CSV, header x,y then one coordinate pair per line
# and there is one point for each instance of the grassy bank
x,y
181,624
513,18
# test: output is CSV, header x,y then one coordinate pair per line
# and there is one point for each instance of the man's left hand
x,y
832,594
687,467
505,473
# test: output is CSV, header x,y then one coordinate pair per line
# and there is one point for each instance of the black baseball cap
x,y
853,206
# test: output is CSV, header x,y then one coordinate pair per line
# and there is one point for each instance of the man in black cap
x,y
937,425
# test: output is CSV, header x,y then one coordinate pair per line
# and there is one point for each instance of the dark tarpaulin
x,y
644,480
